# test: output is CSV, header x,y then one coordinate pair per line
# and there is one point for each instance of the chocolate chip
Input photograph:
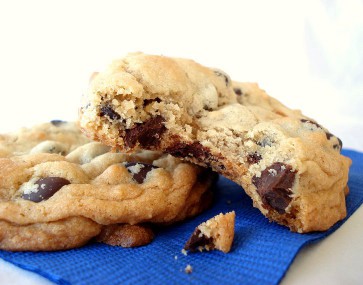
x,y
336,146
238,91
219,73
339,145
311,122
207,108
328,135
274,186
253,158
340,142
45,188
198,240
195,149
57,123
149,101
107,111
148,134
139,170
221,167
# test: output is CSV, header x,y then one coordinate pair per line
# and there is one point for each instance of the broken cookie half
x,y
216,233
289,164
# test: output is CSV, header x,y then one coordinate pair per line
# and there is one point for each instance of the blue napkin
x,y
261,254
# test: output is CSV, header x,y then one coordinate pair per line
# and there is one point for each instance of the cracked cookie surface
x,y
52,200
289,164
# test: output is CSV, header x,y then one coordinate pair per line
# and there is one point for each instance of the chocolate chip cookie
x,y
58,190
289,164
216,233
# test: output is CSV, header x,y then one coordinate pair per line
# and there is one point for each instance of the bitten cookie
x,y
289,164
59,193
216,233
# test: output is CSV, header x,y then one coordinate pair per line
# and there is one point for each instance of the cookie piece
x,y
126,235
289,164
216,233
53,201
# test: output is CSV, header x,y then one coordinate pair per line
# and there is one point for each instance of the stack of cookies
x,y
159,129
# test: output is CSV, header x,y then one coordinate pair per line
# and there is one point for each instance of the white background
x,y
308,54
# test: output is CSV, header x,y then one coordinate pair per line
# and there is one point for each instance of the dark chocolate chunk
x,y
219,73
221,167
336,146
340,142
207,108
311,122
149,101
57,122
107,111
45,188
148,134
253,158
329,135
238,91
140,176
198,240
274,186
195,149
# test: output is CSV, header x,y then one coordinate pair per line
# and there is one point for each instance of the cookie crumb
x,y
188,269
175,257
216,233
183,251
